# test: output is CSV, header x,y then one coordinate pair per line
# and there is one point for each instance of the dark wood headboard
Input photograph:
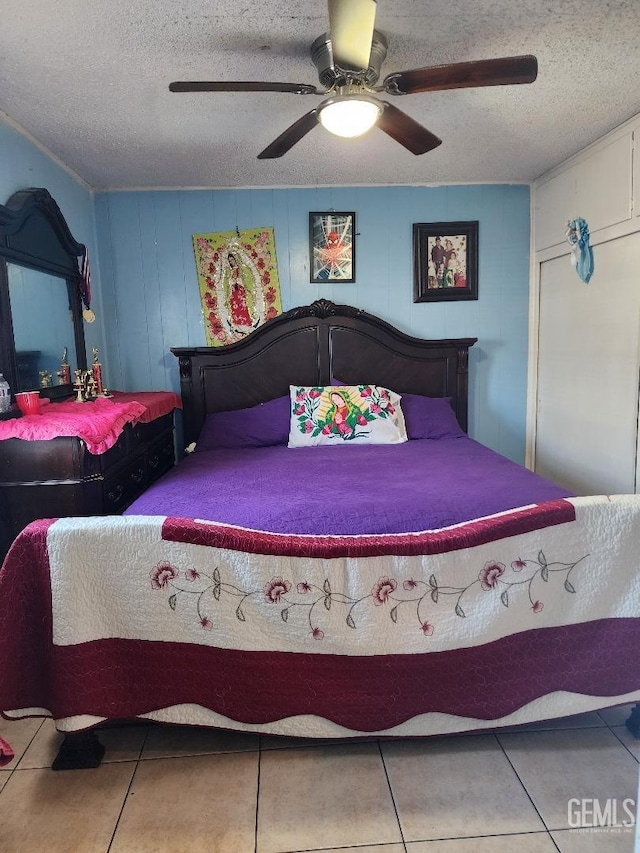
x,y
311,345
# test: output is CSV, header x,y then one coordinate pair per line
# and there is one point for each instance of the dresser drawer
x,y
22,504
116,454
36,461
160,457
146,433
127,483
59,477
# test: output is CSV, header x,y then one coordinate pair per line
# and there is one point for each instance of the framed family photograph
x,y
445,256
332,247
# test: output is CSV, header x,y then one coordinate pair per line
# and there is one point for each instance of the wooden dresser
x,y
59,477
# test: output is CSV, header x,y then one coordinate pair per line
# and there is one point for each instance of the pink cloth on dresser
x,y
156,403
98,423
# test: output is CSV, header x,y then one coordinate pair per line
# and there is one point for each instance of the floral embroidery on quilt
x,y
308,599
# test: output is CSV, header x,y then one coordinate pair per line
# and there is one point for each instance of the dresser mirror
x,y
42,326
40,302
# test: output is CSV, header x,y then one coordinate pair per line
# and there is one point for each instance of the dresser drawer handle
x,y
115,496
137,476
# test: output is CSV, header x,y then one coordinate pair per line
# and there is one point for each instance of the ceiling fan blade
x,y
243,86
290,137
461,75
351,24
406,131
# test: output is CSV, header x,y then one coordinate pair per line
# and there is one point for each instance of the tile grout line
x,y
393,799
619,739
524,787
515,834
196,754
255,846
13,769
351,847
612,728
390,844
126,793
19,761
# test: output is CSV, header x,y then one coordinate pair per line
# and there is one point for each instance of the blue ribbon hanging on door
x,y
581,252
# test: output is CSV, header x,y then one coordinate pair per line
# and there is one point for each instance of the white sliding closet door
x,y
588,369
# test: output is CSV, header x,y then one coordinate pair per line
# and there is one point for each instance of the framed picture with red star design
x,y
332,255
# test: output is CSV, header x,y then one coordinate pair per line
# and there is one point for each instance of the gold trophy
x,y
65,370
96,369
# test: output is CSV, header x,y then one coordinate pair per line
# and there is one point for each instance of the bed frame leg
x,y
633,723
79,751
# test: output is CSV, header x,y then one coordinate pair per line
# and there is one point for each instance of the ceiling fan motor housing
x,y
331,75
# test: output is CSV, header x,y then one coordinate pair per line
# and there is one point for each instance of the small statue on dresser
x,y
84,386
92,390
78,386
88,383
96,369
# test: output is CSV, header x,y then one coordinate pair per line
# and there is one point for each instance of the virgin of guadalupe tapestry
x,y
238,278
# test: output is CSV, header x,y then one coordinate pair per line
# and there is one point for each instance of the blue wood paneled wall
x,y
150,291
145,285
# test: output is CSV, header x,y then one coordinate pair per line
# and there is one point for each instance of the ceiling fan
x,y
348,60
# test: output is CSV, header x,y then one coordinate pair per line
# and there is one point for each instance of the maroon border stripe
x,y
125,678
468,535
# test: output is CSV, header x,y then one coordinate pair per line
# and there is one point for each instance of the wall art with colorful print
x,y
238,278
331,247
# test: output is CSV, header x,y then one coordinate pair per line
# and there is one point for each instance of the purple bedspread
x,y
419,485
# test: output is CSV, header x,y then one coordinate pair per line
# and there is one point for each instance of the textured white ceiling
x,y
89,79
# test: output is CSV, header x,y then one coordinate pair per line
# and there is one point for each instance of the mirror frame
x,y
35,234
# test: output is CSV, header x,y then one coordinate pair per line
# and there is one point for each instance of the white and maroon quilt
x,y
529,614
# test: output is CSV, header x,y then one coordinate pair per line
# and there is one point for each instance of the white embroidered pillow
x,y
345,414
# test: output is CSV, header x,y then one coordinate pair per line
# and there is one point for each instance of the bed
x,y
425,587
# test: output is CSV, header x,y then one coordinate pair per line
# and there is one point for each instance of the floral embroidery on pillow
x,y
337,414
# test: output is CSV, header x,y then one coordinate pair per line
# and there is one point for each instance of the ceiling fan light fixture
x,y
349,115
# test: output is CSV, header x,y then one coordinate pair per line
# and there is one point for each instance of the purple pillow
x,y
260,426
426,417
430,417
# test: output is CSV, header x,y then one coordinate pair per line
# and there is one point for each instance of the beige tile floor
x,y
179,790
